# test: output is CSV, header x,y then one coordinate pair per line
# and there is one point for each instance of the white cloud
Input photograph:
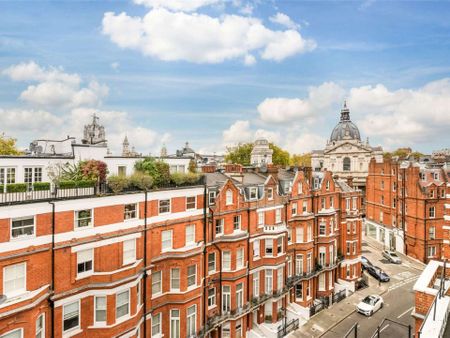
x,y
54,87
403,116
300,141
24,120
249,60
115,65
284,20
162,34
286,110
177,5
241,131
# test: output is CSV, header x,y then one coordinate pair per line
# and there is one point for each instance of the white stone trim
x,y
279,206
105,242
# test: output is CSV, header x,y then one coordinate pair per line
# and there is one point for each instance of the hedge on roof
x,y
16,187
2,188
41,186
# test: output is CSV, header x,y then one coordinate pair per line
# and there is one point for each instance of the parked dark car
x,y
365,263
378,274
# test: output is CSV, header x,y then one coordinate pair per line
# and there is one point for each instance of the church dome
x,y
345,129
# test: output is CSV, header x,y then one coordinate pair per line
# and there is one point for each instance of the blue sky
x,y
152,76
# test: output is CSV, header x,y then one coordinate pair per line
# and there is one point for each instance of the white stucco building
x,y
261,153
345,154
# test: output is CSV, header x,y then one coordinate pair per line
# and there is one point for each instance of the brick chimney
x,y
350,181
233,168
210,168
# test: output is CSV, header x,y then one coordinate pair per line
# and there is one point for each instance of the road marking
x,y
404,313
387,325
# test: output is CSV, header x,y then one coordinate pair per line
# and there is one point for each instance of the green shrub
x,y
141,181
85,184
118,183
16,187
2,188
67,184
182,178
41,186
158,170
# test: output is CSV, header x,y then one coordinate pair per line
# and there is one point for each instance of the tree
x,y
158,170
301,160
403,153
241,154
8,146
93,170
192,166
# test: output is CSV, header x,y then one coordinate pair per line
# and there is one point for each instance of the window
x,y
322,203
226,330
164,206
289,230
354,247
308,289
156,325
191,321
156,282
256,248
211,262
278,215
175,279
381,216
239,328
270,194
129,251
300,188
308,262
331,202
226,298
240,295
18,333
432,232
166,240
382,199
130,211
212,197
322,229
190,234
211,297
22,227
346,164
322,282
289,266
192,275
347,204
442,193
237,222
279,279
14,279
299,291
85,261
83,218
253,193
436,176
299,265
394,186
305,207
355,203
269,281
240,258
40,326
431,251
354,227
261,218
100,309
122,170
138,293
226,260
32,175
122,304
269,247
71,316
219,226
255,284
382,185
327,186
279,245
348,245
294,209
322,256
229,197
432,212
349,228
175,323
310,233
191,202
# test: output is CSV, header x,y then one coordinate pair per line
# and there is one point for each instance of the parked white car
x,y
370,305
392,257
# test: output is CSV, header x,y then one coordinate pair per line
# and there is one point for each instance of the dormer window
x,y
436,176
328,185
300,188
229,195
253,192
270,194
422,176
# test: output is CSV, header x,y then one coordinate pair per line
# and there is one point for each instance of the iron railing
x,y
285,329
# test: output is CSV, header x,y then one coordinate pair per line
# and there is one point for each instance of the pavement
x,y
398,297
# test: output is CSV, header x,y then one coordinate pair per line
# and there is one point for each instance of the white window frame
x,y
294,209
189,276
256,248
236,222
164,206
40,332
268,243
77,219
240,295
78,315
269,281
432,214
213,270
191,319
256,284
20,219
226,260
127,215
157,328
219,222
15,292
211,197
101,322
174,278
157,283
253,193
431,251
87,252
129,251
190,203
165,247
300,188
261,218
211,298
270,194
226,298
229,197
176,320
240,258
127,314
278,215
190,234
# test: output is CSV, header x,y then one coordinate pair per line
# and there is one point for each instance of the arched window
x,y
229,197
346,164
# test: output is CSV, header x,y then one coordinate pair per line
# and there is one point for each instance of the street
x,y
398,304
398,301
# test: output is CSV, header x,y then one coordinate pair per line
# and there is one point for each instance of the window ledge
x,y
72,332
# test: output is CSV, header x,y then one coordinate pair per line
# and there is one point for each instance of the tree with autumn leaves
x,y
8,146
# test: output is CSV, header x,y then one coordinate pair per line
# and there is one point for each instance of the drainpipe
x,y
145,263
220,271
52,288
205,257
248,264
425,232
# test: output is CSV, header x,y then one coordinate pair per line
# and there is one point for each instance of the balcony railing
x,y
275,227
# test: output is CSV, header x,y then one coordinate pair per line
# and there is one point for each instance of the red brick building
x,y
406,204
243,251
